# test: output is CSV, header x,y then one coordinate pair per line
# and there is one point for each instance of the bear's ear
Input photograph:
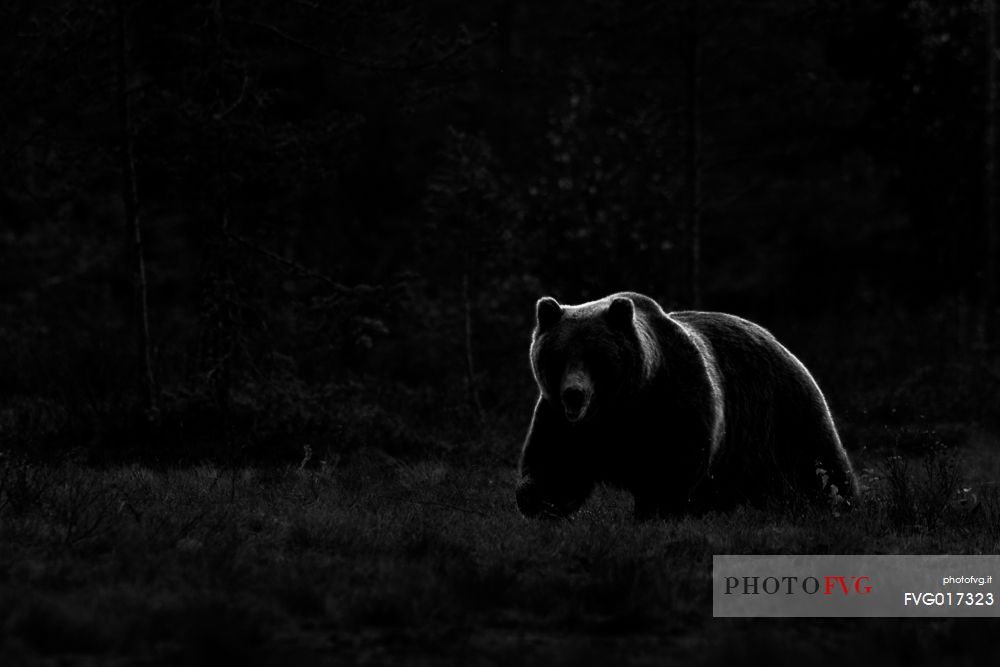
x,y
620,313
547,312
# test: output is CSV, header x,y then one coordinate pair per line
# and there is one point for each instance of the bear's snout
x,y
573,399
575,394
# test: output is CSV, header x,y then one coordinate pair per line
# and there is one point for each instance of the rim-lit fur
x,y
688,410
650,350
714,378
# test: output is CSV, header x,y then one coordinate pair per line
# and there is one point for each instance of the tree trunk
x,y
506,13
987,329
130,199
693,161
225,295
470,367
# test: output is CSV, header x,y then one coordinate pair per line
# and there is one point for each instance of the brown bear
x,y
689,411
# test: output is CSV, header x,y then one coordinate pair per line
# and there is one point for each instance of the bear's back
x,y
781,412
743,347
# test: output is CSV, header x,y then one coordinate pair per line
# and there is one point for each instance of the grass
x,y
427,562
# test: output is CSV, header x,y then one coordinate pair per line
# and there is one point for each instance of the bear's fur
x,y
688,410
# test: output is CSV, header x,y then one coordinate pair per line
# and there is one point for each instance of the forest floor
x,y
428,562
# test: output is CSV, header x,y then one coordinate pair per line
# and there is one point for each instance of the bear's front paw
x,y
533,503
530,501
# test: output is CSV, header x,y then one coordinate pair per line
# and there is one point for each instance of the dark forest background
x,y
267,283
233,229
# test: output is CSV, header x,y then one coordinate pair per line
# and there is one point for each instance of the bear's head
x,y
587,358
